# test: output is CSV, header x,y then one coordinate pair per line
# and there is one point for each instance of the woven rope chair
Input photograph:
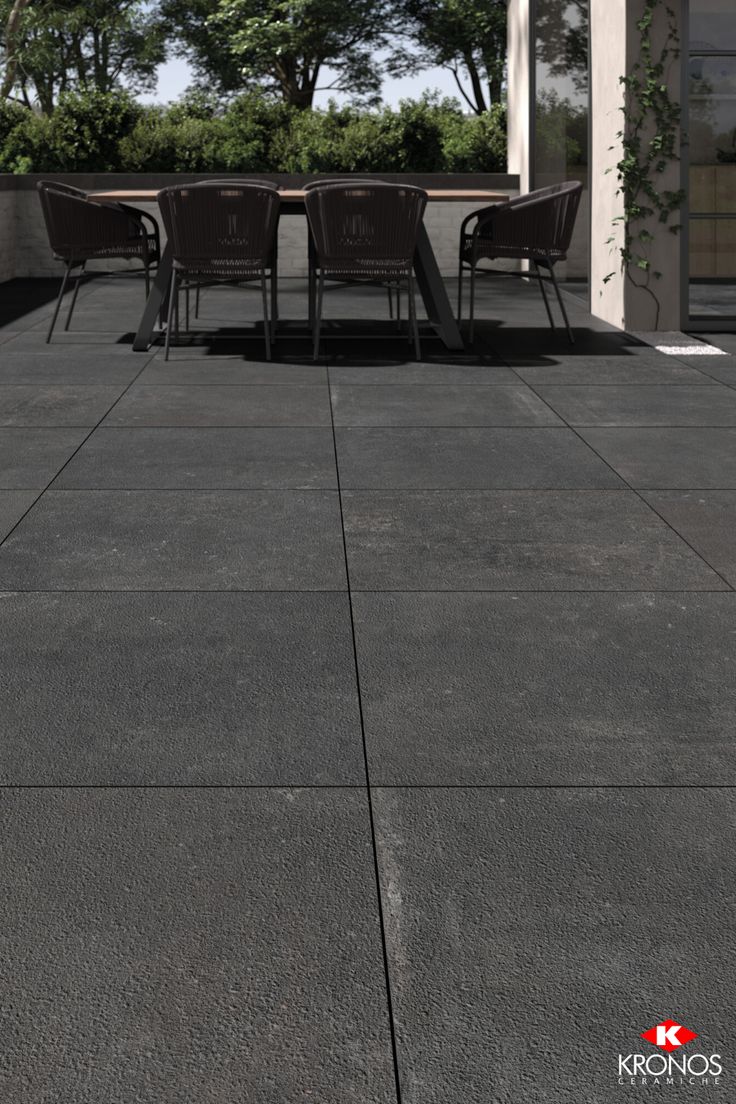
x,y
80,230
365,233
536,227
221,233
311,256
274,286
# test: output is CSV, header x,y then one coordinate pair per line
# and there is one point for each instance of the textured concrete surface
x,y
366,726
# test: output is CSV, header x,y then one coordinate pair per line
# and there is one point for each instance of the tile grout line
x,y
635,491
369,797
91,430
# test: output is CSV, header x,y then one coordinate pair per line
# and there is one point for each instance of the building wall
x,y
28,254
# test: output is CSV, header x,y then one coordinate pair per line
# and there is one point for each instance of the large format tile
x,y
177,540
181,945
222,406
33,405
706,520
643,406
668,458
217,371
548,689
468,458
452,374
32,457
13,505
652,369
534,935
70,367
165,689
204,458
529,540
439,405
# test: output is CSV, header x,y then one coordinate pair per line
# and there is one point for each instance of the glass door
x,y
711,153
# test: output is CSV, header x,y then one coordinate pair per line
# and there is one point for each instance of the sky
x,y
175,76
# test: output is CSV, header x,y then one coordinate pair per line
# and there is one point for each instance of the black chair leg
x,y
318,315
542,288
570,334
274,297
413,316
62,289
266,321
472,304
74,296
173,296
390,301
460,293
196,303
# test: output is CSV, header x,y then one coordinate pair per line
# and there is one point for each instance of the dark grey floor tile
x,y
508,540
70,367
669,458
706,520
29,405
450,374
32,457
534,935
643,405
107,342
13,505
208,945
178,689
571,370
233,371
177,540
204,458
724,341
720,368
222,406
548,689
437,405
468,458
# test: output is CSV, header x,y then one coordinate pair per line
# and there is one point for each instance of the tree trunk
x,y
11,35
476,84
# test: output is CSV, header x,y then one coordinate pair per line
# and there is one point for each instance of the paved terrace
x,y
367,726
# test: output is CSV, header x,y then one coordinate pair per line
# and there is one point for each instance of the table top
x,y
296,195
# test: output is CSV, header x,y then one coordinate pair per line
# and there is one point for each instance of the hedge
x,y
111,132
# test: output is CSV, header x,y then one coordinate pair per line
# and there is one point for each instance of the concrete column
x,y
519,91
614,49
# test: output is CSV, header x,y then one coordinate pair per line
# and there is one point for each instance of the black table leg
x,y
434,293
155,304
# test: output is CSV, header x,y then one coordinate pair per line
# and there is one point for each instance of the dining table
x,y
429,279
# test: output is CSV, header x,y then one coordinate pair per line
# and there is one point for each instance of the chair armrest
x,y
481,215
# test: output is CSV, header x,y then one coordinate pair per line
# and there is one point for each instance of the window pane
x,y
712,25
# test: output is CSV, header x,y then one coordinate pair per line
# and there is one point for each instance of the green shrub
x,y
108,132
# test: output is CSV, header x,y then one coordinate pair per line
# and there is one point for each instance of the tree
x,y
562,39
468,37
285,46
55,46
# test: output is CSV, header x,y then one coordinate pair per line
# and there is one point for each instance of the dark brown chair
x,y
365,233
82,230
536,227
274,284
311,256
221,233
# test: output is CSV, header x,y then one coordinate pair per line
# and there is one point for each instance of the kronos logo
x,y
670,1067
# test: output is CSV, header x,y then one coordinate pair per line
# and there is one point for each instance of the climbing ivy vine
x,y
650,140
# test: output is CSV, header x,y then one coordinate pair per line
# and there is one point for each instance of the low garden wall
x,y
24,249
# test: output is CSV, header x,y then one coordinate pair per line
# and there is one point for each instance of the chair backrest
x,y
224,222
77,226
546,217
373,221
237,180
328,181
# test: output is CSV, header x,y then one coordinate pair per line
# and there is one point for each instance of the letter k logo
x,y
668,1035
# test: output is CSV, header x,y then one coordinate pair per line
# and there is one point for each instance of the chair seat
x,y
474,249
227,268
367,269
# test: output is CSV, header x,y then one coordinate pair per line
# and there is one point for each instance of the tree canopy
x,y
468,37
285,46
55,46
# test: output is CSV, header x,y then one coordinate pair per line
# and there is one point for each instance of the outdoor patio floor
x,y
367,726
